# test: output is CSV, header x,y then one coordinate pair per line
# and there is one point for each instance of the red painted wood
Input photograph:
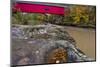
x,y
37,8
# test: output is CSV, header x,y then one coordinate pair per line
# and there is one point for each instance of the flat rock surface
x,y
31,44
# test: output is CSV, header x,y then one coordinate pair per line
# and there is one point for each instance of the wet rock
x,y
33,44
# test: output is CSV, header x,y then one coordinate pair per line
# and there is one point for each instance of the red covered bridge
x,y
40,7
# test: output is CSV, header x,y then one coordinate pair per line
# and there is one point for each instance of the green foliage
x,y
27,18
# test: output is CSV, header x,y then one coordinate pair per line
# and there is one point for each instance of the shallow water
x,y
85,39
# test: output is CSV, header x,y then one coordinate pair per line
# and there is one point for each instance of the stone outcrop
x,y
41,44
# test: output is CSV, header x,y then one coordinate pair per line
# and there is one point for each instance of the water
x,y
85,39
